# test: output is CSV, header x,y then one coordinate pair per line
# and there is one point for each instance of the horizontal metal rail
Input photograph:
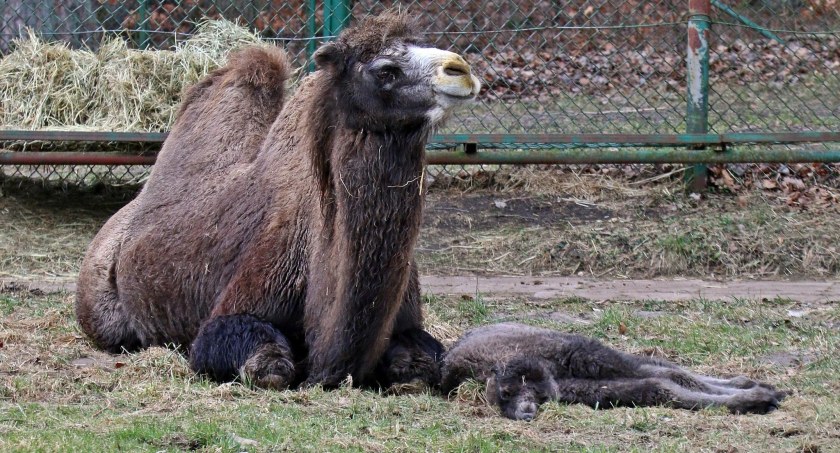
x,y
631,156
72,158
641,139
488,141
82,136
438,157
481,139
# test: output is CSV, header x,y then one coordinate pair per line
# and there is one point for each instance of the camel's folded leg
x,y
662,392
100,311
412,355
243,346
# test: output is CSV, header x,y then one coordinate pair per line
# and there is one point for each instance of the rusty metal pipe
x,y
549,138
496,157
67,158
83,136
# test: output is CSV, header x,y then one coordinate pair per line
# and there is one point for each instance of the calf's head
x,y
386,77
519,387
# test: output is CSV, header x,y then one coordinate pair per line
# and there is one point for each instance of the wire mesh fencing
x,y
548,66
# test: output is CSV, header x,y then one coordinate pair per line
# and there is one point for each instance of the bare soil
x,y
536,288
595,227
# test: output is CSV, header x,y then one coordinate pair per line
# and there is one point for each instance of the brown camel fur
x,y
525,366
275,241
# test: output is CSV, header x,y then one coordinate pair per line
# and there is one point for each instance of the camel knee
x,y
269,367
104,321
243,346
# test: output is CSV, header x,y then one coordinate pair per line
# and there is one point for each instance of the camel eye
x,y
505,394
388,74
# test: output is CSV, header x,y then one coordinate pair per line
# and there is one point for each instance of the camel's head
x,y
520,386
385,77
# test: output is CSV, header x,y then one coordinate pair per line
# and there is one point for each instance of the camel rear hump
x,y
261,69
224,119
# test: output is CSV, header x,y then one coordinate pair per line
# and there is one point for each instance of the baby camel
x,y
525,366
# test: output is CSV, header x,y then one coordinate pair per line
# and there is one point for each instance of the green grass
x,y
151,401
474,309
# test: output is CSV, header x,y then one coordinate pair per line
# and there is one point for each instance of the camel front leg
x,y
241,346
413,355
348,336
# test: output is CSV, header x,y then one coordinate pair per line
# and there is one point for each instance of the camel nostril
x,y
456,69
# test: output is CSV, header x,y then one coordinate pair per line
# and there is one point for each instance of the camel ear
x,y
490,391
329,57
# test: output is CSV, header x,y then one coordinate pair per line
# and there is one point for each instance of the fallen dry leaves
x,y
805,186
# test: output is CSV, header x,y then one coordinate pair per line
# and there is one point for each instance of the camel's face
x,y
519,388
450,76
406,84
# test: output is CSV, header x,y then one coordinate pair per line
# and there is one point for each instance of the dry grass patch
x,y
44,233
598,226
57,393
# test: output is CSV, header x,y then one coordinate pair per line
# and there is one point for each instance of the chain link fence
x,y
548,66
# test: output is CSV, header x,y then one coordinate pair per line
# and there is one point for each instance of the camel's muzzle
x,y
451,75
454,78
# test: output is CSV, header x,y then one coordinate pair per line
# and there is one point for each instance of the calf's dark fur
x,y
525,366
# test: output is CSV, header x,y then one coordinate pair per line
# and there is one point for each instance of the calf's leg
x,y
661,392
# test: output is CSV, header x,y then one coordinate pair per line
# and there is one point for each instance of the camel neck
x,y
372,169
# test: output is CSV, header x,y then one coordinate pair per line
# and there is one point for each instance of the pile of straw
x,y
50,86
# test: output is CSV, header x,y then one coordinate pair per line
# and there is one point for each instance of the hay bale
x,y
139,90
48,85
136,90
45,85
215,39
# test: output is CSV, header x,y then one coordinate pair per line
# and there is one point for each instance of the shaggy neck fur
x,y
371,205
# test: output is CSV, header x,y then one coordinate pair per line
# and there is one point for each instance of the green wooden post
x,y
697,74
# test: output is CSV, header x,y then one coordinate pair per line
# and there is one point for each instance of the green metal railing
x,y
583,81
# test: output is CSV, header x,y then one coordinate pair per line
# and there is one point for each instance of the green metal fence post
x,y
697,81
311,33
143,34
328,9
336,16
